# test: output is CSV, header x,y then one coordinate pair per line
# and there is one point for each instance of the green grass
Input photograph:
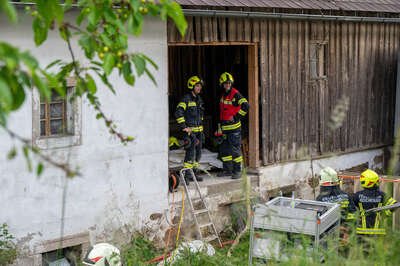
x,y
384,251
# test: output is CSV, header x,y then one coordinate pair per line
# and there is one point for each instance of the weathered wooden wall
x,y
296,109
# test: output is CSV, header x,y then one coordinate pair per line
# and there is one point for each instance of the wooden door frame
x,y
253,92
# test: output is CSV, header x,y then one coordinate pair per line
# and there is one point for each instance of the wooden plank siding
x,y
296,109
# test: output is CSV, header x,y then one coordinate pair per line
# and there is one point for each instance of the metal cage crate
x,y
282,218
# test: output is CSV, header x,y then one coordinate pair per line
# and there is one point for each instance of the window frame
x,y
72,133
318,60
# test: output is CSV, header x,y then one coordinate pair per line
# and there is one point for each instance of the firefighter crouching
x,y
371,196
189,115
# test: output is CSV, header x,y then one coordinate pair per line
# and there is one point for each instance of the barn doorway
x,y
208,62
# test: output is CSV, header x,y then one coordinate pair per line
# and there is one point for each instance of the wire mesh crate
x,y
287,219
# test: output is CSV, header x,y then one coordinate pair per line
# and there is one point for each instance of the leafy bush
x,y
8,252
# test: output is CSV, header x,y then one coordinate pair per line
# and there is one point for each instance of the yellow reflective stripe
x,y
344,204
183,105
238,159
197,129
226,101
350,216
192,104
370,231
390,201
196,164
187,165
241,112
180,120
243,100
231,127
377,217
227,158
362,212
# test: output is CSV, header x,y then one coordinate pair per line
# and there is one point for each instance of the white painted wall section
x,y
293,173
120,185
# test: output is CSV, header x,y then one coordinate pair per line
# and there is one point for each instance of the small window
x,y
318,59
57,121
53,114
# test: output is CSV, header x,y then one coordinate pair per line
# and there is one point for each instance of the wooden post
x,y
254,158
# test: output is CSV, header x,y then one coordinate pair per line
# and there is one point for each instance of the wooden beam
x,y
254,158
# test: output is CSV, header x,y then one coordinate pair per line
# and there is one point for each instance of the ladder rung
x,y
196,212
210,238
205,225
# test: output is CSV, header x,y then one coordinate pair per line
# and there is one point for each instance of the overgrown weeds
x,y
8,251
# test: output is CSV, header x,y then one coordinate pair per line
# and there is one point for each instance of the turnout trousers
x,y
193,151
230,151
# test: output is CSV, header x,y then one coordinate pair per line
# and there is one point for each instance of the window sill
x,y
45,143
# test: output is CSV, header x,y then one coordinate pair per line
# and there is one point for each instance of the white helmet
x,y
103,254
328,177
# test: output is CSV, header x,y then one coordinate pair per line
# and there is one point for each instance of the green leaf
x,y
64,33
108,64
140,64
55,62
150,76
98,116
18,96
88,45
6,98
91,84
39,169
127,73
174,11
148,59
12,153
135,23
25,149
9,9
106,82
41,86
93,17
29,61
40,31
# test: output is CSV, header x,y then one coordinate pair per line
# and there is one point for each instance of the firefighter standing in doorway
x,y
233,108
189,115
371,197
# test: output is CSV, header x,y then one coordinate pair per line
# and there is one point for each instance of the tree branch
x,y
27,143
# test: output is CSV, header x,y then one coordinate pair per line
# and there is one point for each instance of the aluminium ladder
x,y
196,213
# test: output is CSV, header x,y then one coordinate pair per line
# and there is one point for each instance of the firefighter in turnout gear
x,y
189,115
371,197
330,192
233,108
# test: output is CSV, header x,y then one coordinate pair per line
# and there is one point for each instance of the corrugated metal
x,y
392,6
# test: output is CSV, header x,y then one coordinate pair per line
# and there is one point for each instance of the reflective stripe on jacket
x,y
334,194
189,112
233,106
372,223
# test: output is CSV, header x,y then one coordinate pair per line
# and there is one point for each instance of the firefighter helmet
x,y
192,81
328,177
369,178
103,254
225,77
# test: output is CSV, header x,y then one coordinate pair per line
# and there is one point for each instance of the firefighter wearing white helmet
x,y
103,254
330,192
